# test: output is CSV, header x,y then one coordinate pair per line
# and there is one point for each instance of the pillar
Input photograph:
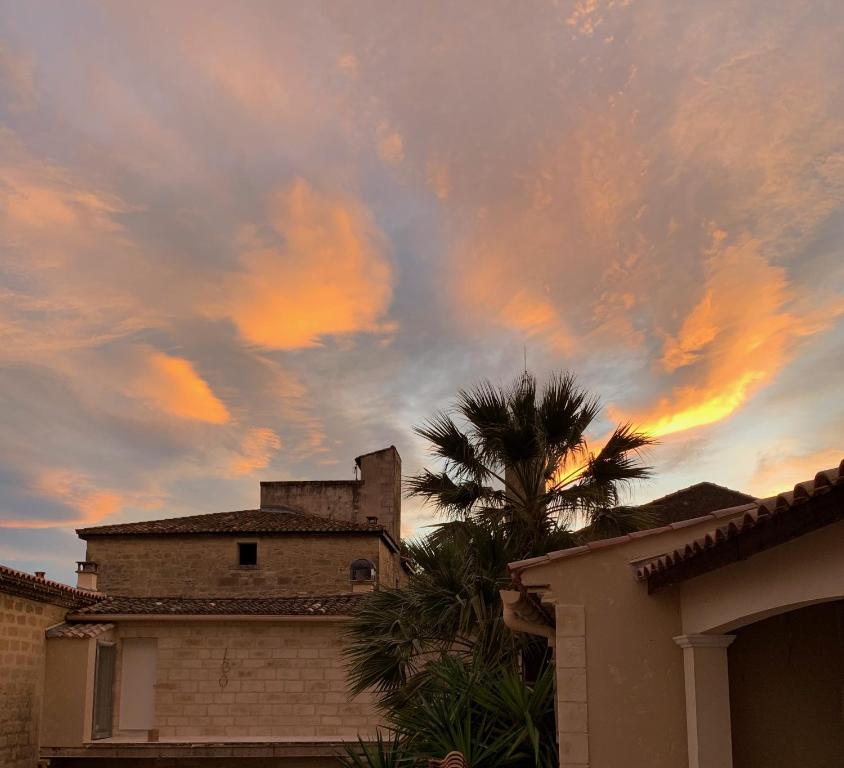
x,y
709,732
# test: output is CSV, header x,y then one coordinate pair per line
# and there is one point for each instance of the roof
x,y
591,546
332,605
78,631
31,587
267,520
693,502
757,509
810,506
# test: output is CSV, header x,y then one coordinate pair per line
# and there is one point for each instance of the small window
x,y
362,570
247,553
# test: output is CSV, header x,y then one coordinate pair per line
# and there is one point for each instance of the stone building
x,y
29,605
219,637
709,642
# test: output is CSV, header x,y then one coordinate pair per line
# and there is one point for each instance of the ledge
x,y
114,748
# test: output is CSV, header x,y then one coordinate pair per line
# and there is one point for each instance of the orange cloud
x,y
390,144
256,450
172,385
779,472
330,275
73,490
737,337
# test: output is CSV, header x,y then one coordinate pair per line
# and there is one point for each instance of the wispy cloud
x,y
323,269
263,239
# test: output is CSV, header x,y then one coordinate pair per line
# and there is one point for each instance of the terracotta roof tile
x,y
693,502
78,631
788,515
332,605
268,520
32,587
591,546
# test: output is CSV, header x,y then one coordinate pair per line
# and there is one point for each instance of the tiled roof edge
x,y
27,585
591,546
760,513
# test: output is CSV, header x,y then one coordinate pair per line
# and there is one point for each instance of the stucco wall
x,y
633,710
787,689
279,680
22,625
206,566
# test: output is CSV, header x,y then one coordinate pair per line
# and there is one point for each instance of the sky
x,y
246,241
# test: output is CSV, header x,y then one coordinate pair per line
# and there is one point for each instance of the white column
x,y
707,700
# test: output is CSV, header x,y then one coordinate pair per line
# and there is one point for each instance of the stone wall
x,y
334,499
206,566
376,494
22,625
259,679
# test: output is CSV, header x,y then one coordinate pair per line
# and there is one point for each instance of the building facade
x,y
29,605
709,642
220,636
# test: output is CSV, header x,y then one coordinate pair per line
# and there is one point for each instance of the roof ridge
x,y
172,524
688,488
822,481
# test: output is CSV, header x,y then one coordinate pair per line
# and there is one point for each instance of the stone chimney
x,y
380,489
86,575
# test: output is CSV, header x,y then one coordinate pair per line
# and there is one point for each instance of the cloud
x,y
329,273
744,329
390,144
172,385
17,82
88,504
256,451
780,472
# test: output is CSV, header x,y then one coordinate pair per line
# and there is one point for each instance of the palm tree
x,y
517,478
524,463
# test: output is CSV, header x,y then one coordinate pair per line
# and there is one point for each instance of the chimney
x,y
86,575
380,489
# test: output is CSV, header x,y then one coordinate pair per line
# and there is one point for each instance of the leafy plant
x,y
516,478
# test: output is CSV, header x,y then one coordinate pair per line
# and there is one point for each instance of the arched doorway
x,y
787,690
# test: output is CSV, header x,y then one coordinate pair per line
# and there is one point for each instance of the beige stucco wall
x,y
206,566
69,692
22,625
808,569
633,710
280,680
787,690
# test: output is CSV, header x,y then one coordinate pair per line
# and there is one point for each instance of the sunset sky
x,y
245,241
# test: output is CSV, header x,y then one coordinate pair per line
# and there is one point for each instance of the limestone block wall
x,y
376,494
22,625
206,566
334,499
279,680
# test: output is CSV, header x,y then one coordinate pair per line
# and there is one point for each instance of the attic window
x,y
247,553
362,570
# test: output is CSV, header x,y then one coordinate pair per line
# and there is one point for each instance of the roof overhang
x,y
114,617
810,507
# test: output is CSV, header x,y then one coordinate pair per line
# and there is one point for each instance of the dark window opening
x,y
247,553
362,570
